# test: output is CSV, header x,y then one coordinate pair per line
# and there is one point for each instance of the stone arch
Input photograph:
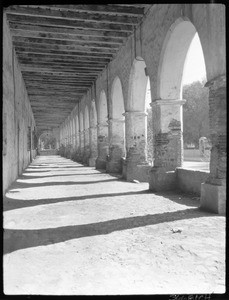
x,y
43,140
172,59
137,85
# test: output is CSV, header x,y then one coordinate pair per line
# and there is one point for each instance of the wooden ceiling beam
x,y
72,15
47,51
57,78
101,9
65,37
58,82
65,48
56,73
38,41
61,58
90,65
63,68
41,28
51,90
69,23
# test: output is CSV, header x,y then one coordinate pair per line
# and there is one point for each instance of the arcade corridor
x,y
71,229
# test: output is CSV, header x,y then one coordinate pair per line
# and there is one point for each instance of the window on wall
x,y
29,139
4,134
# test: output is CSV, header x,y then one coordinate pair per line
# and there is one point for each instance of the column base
x,y
135,171
114,166
161,180
213,198
100,164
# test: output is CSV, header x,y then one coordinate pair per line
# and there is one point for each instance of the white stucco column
x,y
116,145
103,145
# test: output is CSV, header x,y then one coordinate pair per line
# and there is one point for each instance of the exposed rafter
x,y
62,49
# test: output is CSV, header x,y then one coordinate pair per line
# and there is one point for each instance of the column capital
x,y
168,102
136,113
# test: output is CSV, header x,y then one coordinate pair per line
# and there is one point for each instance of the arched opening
x,y
137,86
173,66
47,141
168,108
116,128
102,111
102,131
173,55
196,131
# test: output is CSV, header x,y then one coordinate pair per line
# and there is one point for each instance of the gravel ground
x,y
72,230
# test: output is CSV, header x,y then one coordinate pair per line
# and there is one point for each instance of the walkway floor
x,y
71,230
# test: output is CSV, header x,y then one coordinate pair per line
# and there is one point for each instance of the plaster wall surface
x,y
17,114
189,181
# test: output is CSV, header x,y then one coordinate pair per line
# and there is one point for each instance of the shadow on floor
x,y
28,176
62,166
21,239
10,204
25,185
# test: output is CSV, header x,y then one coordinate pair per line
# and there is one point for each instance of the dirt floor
x,y
72,230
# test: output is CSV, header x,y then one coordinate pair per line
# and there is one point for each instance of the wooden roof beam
x,y
69,23
66,48
38,41
43,11
72,54
101,9
66,37
69,31
61,58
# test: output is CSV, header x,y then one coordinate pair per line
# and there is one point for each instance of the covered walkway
x,y
71,229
